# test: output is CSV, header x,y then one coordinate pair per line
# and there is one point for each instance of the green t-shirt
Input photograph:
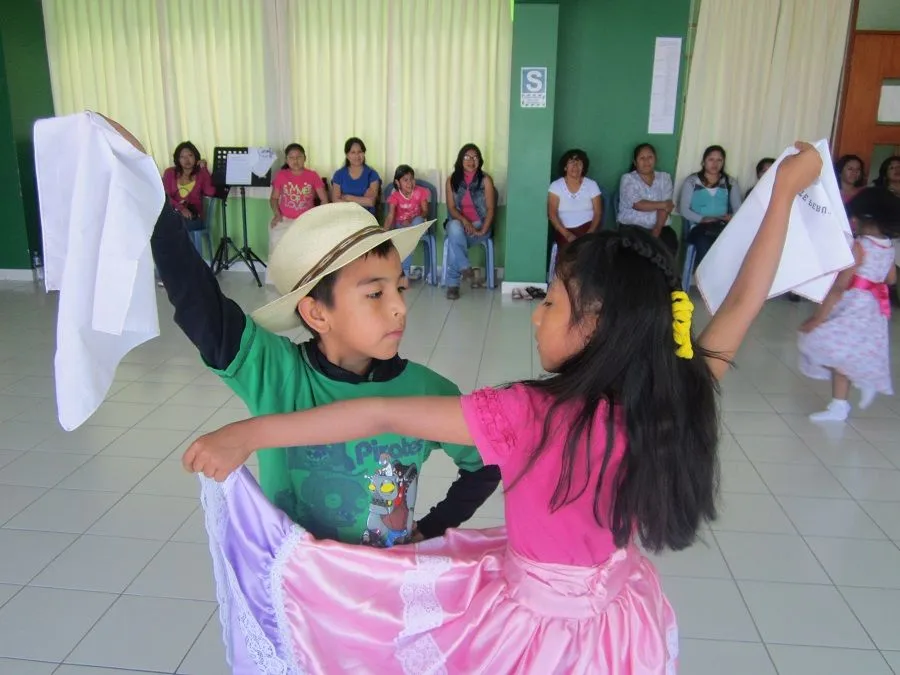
x,y
362,491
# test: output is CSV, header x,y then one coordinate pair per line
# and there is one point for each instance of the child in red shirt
x,y
407,204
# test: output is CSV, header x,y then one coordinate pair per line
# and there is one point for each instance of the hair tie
x,y
682,312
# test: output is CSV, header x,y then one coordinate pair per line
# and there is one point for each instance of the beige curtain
x,y
764,73
414,78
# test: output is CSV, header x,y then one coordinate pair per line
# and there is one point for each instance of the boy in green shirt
x,y
339,274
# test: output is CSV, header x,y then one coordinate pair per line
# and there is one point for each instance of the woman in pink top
x,y
589,469
471,204
186,183
294,192
407,204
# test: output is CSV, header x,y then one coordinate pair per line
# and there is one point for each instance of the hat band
x,y
335,253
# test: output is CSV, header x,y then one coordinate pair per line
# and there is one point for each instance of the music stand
x,y
225,180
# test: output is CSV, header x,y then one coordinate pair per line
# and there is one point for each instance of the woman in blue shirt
x,y
356,181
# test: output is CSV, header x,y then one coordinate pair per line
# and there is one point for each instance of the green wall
x,y
27,81
878,15
603,90
13,238
530,144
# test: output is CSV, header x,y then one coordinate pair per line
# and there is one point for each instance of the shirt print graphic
x,y
299,198
392,489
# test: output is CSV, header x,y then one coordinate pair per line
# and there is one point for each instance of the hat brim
x,y
280,315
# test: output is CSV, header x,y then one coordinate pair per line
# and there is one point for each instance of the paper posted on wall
x,y
818,246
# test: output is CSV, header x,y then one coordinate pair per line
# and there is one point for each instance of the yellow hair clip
x,y
682,312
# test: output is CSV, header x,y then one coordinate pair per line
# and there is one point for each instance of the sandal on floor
x,y
519,294
535,293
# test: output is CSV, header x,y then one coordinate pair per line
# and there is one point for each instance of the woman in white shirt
x,y
573,202
645,197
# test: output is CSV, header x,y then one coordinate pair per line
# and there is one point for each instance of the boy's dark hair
x,y
667,482
878,207
762,163
324,290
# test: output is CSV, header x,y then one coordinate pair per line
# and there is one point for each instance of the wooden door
x,y
874,58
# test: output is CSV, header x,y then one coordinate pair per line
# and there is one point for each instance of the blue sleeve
x,y
373,177
338,177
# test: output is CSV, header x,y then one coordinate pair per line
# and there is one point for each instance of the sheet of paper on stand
x,y
99,200
238,168
818,244
265,158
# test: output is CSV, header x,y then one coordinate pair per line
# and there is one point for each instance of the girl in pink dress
x,y
617,446
846,340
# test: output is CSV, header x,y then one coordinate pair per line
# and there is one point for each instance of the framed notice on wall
x,y
533,87
664,86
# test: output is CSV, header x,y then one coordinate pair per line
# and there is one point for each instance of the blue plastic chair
x,y
488,245
205,233
428,240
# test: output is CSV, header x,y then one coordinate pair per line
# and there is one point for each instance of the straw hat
x,y
322,241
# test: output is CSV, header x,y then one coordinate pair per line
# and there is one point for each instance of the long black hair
x,y
186,145
289,148
701,174
882,180
667,481
574,153
843,161
877,207
458,175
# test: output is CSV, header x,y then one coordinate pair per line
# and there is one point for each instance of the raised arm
x,y
726,331
439,419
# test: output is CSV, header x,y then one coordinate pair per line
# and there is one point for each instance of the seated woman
x,y
762,166
186,183
356,181
574,204
645,197
295,190
708,200
407,205
470,202
851,175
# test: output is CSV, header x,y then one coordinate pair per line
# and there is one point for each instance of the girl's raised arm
x,y
728,327
436,418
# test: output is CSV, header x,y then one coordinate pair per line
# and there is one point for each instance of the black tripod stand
x,y
228,252
245,253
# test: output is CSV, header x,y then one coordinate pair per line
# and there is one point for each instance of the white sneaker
x,y
867,395
837,411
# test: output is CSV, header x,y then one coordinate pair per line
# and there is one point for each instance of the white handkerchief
x,y
99,201
818,244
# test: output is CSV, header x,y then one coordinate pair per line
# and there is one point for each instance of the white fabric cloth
x,y
578,208
99,201
818,244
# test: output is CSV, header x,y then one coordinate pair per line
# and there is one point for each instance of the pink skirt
x,y
463,603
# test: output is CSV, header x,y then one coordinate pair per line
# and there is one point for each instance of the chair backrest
x,y
327,192
209,206
388,188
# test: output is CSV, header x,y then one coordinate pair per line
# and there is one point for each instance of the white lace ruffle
x,y
228,591
417,651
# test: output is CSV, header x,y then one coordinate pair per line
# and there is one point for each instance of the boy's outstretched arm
x,y
466,495
435,418
211,321
728,327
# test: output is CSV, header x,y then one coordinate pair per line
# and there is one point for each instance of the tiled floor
x,y
104,567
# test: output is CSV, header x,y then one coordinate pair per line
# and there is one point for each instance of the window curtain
x,y
415,79
764,73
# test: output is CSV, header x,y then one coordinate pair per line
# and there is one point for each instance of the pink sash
x,y
878,289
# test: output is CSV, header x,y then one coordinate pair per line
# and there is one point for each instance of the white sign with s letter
x,y
533,87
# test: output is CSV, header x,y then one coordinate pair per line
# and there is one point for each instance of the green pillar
x,y
532,77
26,96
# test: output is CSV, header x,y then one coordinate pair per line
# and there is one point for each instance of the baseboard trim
x,y
16,275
